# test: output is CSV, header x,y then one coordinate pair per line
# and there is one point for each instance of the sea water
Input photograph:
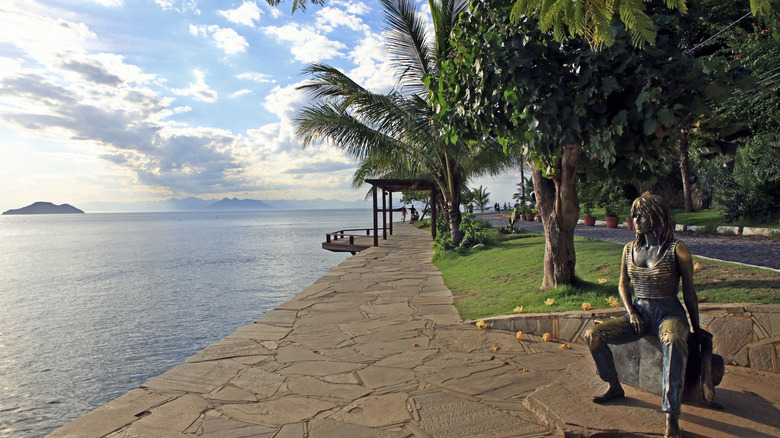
x,y
93,305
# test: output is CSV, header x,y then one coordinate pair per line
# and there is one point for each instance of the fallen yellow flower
x,y
520,336
481,324
495,347
585,306
518,309
549,301
546,337
565,347
697,266
602,280
415,344
613,302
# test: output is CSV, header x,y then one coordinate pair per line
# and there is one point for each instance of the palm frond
x,y
408,44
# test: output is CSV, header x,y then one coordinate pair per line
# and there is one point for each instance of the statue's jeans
x,y
665,317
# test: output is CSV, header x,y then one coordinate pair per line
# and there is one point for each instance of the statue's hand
x,y
636,322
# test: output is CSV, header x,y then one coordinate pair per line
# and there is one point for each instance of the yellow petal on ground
x,y
504,362
525,370
481,324
520,336
585,306
697,266
518,309
549,301
415,344
565,347
613,302
495,347
602,280
546,337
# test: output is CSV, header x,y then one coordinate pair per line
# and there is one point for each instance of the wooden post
x,y
376,225
390,202
433,212
384,215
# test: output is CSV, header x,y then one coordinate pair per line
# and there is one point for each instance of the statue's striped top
x,y
660,280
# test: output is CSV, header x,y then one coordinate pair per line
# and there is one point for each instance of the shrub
x,y
753,190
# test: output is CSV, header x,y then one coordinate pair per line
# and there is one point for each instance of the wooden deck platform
x,y
354,240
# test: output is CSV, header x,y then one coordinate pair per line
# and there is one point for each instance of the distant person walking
x,y
403,214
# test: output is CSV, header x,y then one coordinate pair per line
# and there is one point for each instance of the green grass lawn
x,y
712,217
507,273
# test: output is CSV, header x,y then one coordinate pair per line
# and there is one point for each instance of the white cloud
x,y
329,18
42,38
182,109
257,77
198,90
308,45
373,70
276,12
226,39
245,14
241,93
179,6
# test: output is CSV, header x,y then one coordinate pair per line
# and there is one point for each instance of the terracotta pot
x,y
612,221
589,220
529,217
629,222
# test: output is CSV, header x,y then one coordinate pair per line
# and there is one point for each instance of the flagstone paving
x,y
374,348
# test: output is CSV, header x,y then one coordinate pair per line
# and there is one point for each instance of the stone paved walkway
x,y
376,349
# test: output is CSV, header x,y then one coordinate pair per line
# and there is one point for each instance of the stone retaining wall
x,y
746,335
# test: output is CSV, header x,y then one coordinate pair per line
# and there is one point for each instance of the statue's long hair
x,y
653,208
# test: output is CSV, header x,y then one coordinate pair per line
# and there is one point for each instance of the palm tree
x,y
481,197
395,134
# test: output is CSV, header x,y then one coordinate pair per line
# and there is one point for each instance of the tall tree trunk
x,y
522,181
556,199
455,219
685,171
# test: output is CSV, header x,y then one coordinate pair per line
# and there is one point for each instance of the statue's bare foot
x,y
672,426
614,391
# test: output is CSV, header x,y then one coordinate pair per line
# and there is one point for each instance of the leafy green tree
x,y
481,197
395,134
566,107
593,20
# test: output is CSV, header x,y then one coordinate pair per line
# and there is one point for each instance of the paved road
x,y
750,250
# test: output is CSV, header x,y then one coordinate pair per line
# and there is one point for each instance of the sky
x,y
144,100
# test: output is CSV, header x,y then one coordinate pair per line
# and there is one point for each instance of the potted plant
x,y
588,219
529,214
611,215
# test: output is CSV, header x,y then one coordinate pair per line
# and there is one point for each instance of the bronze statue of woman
x,y
655,263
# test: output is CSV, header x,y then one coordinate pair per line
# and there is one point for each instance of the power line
x,y
720,32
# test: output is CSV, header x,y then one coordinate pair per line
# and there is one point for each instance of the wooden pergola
x,y
358,239
389,186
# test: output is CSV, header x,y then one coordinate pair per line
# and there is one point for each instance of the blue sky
x,y
123,101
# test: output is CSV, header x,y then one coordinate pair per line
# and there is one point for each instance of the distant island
x,y
45,208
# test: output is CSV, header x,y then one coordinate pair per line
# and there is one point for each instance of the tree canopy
x,y
593,20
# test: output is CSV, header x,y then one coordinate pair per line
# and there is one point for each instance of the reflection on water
x,y
93,305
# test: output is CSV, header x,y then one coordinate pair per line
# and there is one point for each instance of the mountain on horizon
x,y
236,204
196,204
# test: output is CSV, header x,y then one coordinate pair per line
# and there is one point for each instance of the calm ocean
x,y
93,305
